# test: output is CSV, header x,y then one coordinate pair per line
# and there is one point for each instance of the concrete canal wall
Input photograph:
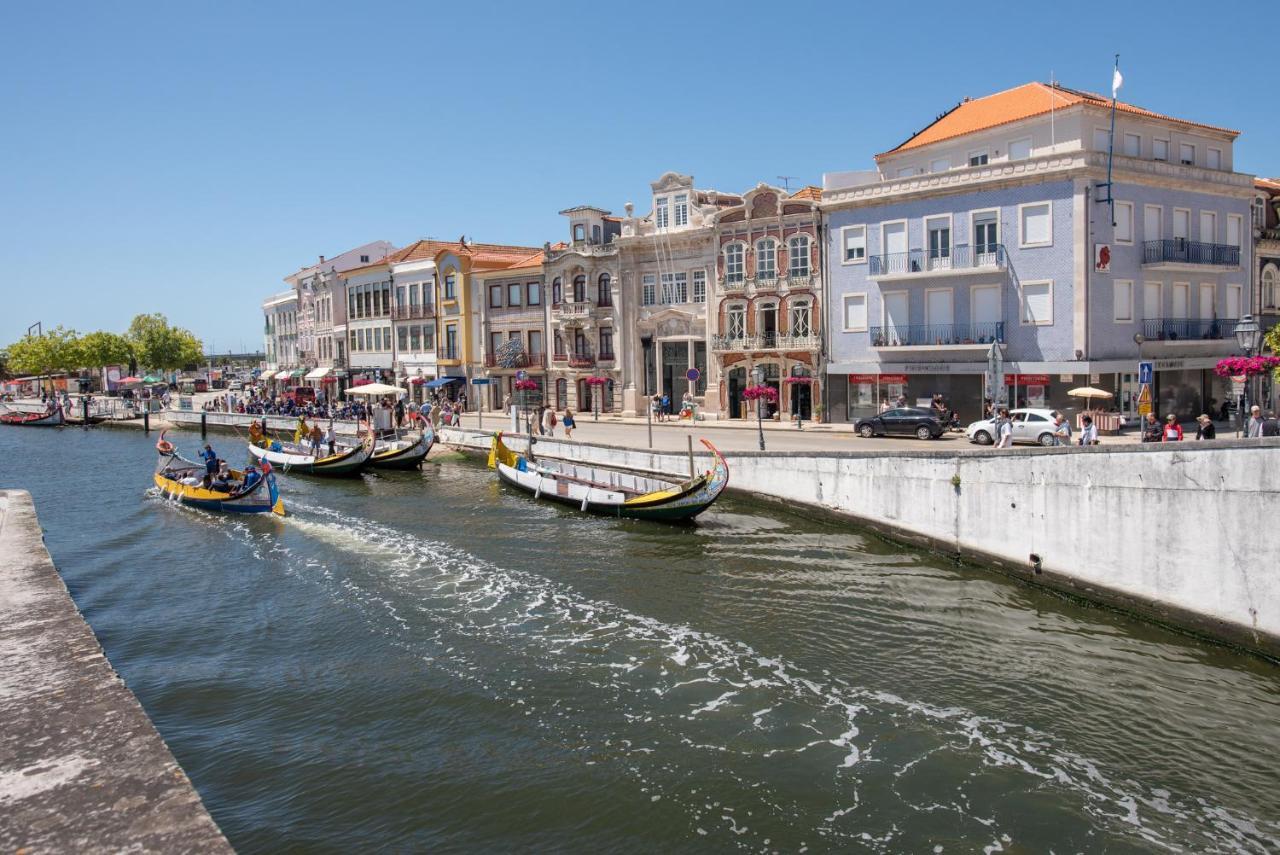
x,y
82,769
1179,534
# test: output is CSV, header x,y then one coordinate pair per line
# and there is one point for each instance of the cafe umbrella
x,y
1089,393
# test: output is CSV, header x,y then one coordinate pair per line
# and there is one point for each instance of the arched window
x,y
556,292
767,323
800,321
735,321
733,267
767,259
1270,282
604,291
579,288
798,256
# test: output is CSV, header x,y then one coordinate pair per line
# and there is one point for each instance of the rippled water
x,y
431,661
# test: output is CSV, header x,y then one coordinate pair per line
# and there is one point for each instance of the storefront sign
x,y
878,378
1170,364
1026,379
1066,378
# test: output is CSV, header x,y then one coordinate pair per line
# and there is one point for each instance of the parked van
x,y
301,394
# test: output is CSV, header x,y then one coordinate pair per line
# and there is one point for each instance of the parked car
x,y
1029,425
906,421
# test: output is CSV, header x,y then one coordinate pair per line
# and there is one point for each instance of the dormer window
x,y
661,212
682,209
579,232
364,259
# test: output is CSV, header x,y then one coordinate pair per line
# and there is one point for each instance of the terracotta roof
x,y
421,249
1267,183
808,192
1021,102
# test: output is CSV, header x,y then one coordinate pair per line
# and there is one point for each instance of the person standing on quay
x,y
569,423
1270,427
548,421
1088,431
1004,429
1061,430
1151,429
1253,427
1205,428
1172,430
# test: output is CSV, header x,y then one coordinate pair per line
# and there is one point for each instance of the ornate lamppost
x,y
1249,338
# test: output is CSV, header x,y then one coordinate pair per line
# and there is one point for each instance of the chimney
x,y
322,259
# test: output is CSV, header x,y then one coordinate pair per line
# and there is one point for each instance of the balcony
x,y
767,283
580,309
764,341
582,359
411,312
1179,251
1188,330
938,335
920,262
520,360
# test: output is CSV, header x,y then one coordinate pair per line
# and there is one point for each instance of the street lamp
x,y
1249,338
758,373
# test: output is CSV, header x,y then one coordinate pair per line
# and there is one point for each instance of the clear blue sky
x,y
184,157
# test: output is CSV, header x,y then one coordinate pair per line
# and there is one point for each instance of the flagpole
x,y
1111,143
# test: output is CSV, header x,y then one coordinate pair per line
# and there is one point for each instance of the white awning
x,y
284,375
316,373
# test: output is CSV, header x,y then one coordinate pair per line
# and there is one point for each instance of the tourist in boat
x,y
317,436
331,438
569,423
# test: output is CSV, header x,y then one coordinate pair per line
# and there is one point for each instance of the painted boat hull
x,y
409,457
53,419
262,498
343,464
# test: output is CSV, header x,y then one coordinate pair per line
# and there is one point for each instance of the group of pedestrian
x,y
547,421
1259,424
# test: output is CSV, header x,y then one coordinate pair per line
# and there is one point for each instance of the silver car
x,y
1029,425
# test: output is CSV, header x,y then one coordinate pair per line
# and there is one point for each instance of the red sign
x,y
1026,379
877,378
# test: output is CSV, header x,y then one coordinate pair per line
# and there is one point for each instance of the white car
x,y
1029,425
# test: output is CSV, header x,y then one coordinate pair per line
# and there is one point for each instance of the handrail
x,y
933,335
960,257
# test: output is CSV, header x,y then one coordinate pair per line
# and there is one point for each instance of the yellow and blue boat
x,y
249,491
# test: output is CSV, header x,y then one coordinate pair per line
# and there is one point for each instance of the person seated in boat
x,y
255,433
192,480
276,446
207,481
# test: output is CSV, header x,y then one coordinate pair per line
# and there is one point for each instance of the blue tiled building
x,y
991,227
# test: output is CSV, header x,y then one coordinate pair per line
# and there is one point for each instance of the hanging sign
x,y
1102,258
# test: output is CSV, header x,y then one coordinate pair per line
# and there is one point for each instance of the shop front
x,y
962,390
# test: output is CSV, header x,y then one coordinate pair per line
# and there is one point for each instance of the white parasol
x,y
1088,393
377,389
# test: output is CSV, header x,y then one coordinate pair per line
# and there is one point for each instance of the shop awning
x,y
316,373
297,372
282,375
445,381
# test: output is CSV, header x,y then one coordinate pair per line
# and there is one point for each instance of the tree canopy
x,y
56,350
98,349
156,344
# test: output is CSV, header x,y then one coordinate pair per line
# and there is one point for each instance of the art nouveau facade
x,y
766,302
514,325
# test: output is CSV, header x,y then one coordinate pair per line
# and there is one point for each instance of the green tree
x,y
98,349
56,350
156,344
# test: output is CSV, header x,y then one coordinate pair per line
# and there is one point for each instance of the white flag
x,y
1117,79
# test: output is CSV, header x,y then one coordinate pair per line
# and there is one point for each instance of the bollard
x,y
692,471
146,421
84,411
204,426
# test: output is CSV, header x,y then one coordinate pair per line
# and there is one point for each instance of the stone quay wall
x,y
82,769
1180,534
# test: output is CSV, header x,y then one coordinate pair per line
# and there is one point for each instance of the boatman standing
x,y
210,459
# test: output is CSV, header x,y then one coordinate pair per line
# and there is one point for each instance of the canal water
x,y
431,662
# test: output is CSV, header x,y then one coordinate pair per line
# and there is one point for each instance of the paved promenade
x,y
82,768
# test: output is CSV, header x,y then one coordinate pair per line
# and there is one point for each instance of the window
x,y
364,259
604,290
1159,149
737,321
595,234
514,297
556,291
355,343
1270,282
767,259
1152,222
906,171
1132,145
1234,301
1101,139
559,345
733,263
606,342
1020,149
699,286
450,341
938,233
978,158
450,286
1235,231
579,288
579,232
1213,158
681,206
855,244
533,291
495,296
1152,301
798,256
415,339
1037,303
402,337
429,338
662,212
1124,222
647,288
800,321
535,343
1259,212
1187,154
675,288
1181,224
1122,298
1035,224
1208,227
855,313
986,235
942,164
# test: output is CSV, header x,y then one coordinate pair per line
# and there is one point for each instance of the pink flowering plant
x,y
755,393
526,385
1246,366
805,380
597,381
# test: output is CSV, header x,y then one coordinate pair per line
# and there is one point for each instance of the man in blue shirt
x,y
210,459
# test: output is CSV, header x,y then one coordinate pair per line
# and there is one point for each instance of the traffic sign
x,y
480,381
692,375
1146,372
1144,399
522,374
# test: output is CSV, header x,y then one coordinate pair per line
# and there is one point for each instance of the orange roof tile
x,y
808,192
1267,183
1013,105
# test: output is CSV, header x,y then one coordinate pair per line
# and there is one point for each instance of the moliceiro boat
x,y
291,457
243,492
597,490
405,452
52,417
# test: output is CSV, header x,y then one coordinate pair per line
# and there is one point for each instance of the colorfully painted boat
x,y
403,452
52,417
243,492
598,490
297,458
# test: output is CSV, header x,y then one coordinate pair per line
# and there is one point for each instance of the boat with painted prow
x,y
249,491
297,458
51,417
598,490
405,452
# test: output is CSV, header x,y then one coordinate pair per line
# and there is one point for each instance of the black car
x,y
908,421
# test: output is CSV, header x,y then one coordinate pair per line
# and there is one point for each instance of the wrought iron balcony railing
x,y
765,341
1180,251
926,261
413,312
582,359
520,360
937,335
1188,329
578,309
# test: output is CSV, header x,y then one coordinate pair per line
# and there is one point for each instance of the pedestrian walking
x,y
1004,429
569,423
1270,427
655,406
1088,431
1151,429
666,406
1061,430
548,421
1253,427
1172,430
1205,428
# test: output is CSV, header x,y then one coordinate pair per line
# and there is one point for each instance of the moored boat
x,y
297,458
598,490
406,452
244,492
52,417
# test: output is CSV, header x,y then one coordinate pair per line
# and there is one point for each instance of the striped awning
x,y
282,375
316,373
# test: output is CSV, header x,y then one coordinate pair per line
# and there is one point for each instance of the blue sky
x,y
183,158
